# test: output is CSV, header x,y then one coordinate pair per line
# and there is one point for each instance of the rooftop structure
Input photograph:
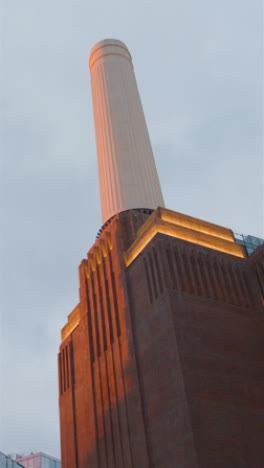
x,y
39,460
7,462
250,243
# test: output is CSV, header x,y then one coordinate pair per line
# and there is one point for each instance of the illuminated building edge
x,y
162,221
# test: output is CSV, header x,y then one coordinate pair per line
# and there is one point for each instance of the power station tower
x,y
161,362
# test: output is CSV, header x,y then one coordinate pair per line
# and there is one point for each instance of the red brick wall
x,y
199,327
165,367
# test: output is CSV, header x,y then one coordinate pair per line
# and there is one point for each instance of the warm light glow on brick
x,y
103,249
196,224
91,261
183,227
109,242
97,255
73,322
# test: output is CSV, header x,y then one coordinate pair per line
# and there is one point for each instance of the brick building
x,y
161,362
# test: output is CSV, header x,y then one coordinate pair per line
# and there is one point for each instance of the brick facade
x,y
161,363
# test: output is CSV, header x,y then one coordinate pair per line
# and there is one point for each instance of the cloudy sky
x,y
198,67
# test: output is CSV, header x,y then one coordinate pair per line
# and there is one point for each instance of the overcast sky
x,y
198,66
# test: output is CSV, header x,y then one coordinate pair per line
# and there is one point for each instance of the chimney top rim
x,y
109,42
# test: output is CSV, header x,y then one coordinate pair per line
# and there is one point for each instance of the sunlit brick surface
x,y
165,368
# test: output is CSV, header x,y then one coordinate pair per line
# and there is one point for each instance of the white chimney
x,y
127,171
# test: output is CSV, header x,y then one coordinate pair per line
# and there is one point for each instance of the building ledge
x,y
73,322
183,227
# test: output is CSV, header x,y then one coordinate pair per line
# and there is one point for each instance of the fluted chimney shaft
x,y
127,171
